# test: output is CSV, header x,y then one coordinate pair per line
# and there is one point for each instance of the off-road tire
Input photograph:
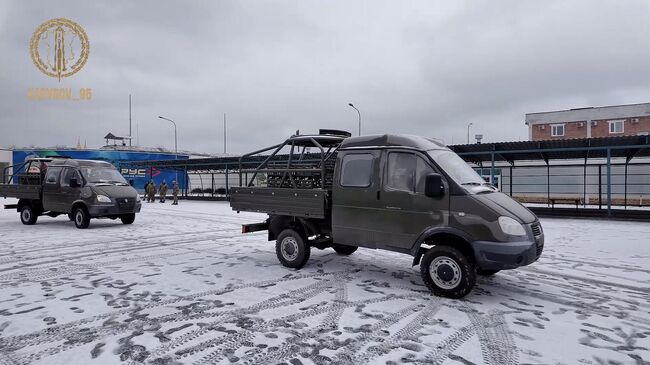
x,y
455,274
81,217
486,272
28,216
127,218
292,249
344,249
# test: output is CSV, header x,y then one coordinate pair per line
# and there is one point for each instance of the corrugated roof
x,y
556,149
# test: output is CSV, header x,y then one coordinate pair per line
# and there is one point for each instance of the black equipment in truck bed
x,y
298,186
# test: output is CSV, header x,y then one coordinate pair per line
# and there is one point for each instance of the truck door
x,y
68,194
405,211
355,198
51,196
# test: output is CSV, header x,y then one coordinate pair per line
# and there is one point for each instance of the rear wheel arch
x,y
35,204
279,223
22,203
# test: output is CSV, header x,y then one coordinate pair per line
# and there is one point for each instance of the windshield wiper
x,y
472,183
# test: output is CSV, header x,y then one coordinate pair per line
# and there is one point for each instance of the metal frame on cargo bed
x,y
327,141
299,186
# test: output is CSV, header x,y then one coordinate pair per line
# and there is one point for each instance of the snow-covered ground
x,y
182,285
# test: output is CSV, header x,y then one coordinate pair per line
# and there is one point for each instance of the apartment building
x,y
605,121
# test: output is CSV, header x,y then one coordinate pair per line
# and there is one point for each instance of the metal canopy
x,y
627,147
559,149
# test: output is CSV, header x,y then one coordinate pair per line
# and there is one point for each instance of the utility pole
x,y
469,125
130,121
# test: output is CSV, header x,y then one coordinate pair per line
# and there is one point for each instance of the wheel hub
x,y
289,248
26,215
79,217
445,272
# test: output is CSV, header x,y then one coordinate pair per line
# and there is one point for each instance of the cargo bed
x,y
20,191
308,203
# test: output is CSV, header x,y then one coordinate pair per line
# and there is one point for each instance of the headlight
x,y
103,199
511,226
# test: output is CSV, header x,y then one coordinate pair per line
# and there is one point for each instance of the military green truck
x,y
81,189
401,193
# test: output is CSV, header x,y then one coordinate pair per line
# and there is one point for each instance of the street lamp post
x,y
175,136
358,112
175,143
469,125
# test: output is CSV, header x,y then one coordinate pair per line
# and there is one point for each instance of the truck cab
x,y
406,194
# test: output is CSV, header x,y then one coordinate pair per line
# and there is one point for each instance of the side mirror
x,y
74,183
433,186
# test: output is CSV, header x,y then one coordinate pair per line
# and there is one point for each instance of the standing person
x,y
175,191
163,191
152,192
147,190
146,193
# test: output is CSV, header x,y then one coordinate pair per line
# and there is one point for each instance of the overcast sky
x,y
425,68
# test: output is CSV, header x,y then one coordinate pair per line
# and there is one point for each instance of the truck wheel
x,y
344,249
28,216
447,272
81,217
292,249
486,272
127,218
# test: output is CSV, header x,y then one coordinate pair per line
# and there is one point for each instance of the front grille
x,y
126,203
537,229
540,248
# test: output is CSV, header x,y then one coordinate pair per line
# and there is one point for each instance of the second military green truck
x,y
80,189
402,193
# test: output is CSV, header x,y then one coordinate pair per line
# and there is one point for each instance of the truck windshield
x,y
95,175
456,167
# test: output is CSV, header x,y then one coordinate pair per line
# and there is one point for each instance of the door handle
x,y
393,208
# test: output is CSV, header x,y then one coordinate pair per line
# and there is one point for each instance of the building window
x,y
557,130
615,126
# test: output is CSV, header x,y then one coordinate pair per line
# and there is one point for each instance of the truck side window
x,y
68,174
407,172
356,170
52,176
401,171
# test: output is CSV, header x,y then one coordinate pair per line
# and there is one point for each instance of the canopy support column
x,y
609,182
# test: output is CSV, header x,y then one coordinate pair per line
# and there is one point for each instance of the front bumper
x,y
114,209
509,255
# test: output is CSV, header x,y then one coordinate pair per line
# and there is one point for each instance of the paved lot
x,y
182,285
